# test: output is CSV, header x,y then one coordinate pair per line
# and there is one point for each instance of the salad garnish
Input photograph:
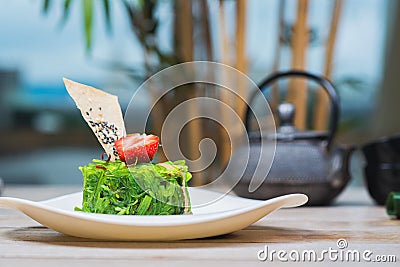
x,y
127,183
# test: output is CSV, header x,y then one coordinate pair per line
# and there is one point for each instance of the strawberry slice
x,y
137,148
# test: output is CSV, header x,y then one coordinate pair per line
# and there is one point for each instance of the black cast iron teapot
x,y
304,162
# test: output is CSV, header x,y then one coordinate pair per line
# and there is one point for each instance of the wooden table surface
x,y
364,226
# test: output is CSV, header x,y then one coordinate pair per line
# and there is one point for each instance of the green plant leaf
x,y
64,18
46,6
107,14
88,22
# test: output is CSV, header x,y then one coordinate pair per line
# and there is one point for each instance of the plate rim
x,y
147,220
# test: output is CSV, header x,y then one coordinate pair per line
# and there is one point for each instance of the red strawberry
x,y
137,148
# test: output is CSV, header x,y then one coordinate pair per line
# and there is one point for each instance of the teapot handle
x,y
322,81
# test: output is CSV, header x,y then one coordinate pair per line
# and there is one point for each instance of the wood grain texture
x,y
321,118
353,217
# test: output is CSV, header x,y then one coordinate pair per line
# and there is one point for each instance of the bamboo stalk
x,y
223,34
210,130
185,47
206,41
195,129
206,29
275,98
224,95
241,59
322,100
184,27
157,117
297,93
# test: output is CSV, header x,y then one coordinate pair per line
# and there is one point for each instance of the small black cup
x,y
382,171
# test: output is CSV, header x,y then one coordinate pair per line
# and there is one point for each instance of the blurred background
x,y
116,45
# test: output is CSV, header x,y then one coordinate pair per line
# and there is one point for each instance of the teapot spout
x,y
347,152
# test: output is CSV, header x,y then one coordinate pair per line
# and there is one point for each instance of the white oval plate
x,y
226,215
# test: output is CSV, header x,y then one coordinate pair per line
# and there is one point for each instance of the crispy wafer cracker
x,y
102,113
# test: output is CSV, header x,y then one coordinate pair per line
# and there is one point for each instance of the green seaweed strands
x,y
144,189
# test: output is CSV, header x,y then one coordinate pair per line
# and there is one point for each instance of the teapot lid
x,y
287,131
